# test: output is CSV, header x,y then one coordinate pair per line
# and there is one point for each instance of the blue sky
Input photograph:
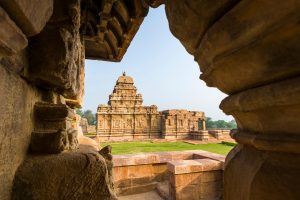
x,y
163,72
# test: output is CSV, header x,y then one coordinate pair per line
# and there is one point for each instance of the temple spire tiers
x,y
124,117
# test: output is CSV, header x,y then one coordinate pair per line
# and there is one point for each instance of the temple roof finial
x,y
124,73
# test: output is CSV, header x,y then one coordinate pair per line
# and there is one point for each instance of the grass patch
x,y
138,147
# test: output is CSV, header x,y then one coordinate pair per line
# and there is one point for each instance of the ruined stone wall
x,y
179,124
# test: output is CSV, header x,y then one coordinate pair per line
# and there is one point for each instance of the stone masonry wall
x,y
17,99
41,64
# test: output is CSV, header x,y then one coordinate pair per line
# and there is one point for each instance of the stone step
x,y
137,189
152,195
163,190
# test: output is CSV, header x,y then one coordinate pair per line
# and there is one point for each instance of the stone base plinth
x,y
200,135
126,137
175,135
218,134
195,179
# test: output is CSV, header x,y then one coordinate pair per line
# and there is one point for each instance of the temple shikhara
x,y
126,118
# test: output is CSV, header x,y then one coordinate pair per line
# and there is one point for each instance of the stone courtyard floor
x,y
152,195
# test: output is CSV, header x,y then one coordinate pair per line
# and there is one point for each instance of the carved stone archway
x,y
248,49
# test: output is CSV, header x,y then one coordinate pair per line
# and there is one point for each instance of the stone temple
x,y
125,118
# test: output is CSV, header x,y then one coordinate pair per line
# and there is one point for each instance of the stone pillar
x,y
203,125
56,60
250,51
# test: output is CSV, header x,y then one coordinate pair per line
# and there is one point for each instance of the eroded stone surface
x,y
16,124
30,15
55,53
248,42
12,39
198,15
69,175
55,128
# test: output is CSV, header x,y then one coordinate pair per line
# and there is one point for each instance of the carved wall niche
x,y
117,123
129,123
100,123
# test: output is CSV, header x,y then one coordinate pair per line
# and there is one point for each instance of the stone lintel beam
x,y
30,15
12,39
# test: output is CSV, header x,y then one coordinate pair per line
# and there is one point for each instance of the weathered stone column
x,y
250,50
203,125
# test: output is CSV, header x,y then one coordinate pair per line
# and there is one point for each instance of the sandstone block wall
x,y
17,99
198,179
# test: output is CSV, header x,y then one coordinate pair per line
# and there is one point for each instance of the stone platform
x,y
193,174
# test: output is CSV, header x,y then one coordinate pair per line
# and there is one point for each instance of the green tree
x,y
220,123
232,124
79,112
91,118
210,123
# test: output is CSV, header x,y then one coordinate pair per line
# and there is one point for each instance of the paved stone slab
x,y
191,166
143,196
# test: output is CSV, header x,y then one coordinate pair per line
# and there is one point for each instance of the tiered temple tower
x,y
125,117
